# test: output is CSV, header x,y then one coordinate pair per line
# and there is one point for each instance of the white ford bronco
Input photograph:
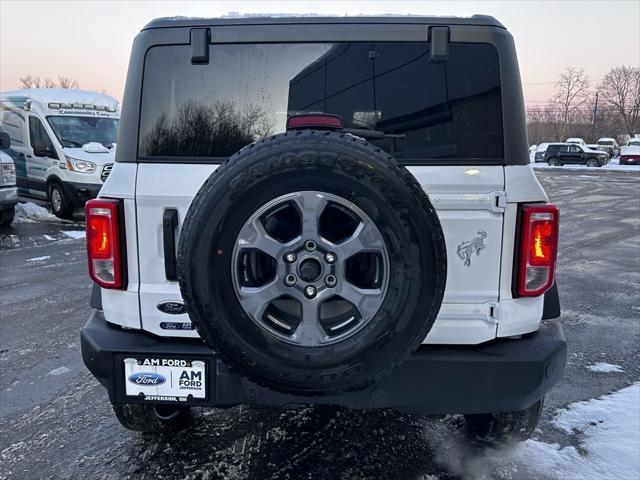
x,y
324,211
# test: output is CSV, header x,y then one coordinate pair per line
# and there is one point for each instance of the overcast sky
x,y
91,40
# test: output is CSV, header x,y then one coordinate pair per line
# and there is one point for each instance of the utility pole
x,y
595,113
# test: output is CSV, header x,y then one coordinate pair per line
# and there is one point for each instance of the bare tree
x,y
67,82
620,90
29,81
572,93
32,81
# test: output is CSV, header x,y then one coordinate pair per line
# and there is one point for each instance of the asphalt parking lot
x,y
56,421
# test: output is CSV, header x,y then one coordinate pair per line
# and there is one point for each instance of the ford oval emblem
x,y
172,307
147,379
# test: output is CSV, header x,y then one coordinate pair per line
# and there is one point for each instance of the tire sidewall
x,y
64,210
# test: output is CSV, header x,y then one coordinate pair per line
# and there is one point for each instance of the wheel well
x,y
50,181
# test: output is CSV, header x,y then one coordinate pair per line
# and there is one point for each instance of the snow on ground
x,y
39,259
29,212
614,164
605,430
59,371
609,432
75,234
604,367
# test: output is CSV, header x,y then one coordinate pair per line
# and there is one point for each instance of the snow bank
x,y
612,165
604,367
610,446
31,213
75,234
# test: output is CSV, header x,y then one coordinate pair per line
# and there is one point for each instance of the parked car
x,y
609,145
633,142
579,141
342,256
630,155
8,189
574,154
63,143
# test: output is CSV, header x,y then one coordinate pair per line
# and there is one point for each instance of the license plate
x,y
165,379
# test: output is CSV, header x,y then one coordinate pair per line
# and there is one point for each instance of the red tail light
x,y
536,267
318,121
105,242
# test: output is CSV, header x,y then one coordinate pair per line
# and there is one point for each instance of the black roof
x,y
174,22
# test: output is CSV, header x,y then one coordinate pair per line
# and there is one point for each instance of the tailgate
x,y
469,202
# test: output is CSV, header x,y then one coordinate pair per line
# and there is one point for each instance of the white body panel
x,y
159,187
123,307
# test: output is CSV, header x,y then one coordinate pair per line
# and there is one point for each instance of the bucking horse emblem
x,y
466,249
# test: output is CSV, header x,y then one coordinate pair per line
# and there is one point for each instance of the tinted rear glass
x,y
557,148
449,110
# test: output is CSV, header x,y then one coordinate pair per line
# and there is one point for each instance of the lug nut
x,y
310,245
310,291
290,280
330,281
330,257
289,257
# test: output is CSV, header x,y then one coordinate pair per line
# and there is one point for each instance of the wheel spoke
x,y
255,300
365,239
310,205
309,331
366,300
253,235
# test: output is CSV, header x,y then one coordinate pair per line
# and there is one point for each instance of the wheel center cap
x,y
309,270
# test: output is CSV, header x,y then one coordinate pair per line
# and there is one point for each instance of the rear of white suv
x,y
409,130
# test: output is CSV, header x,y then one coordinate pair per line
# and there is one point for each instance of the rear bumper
x,y
501,376
629,161
79,193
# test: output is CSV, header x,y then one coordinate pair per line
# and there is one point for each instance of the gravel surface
x,y
56,421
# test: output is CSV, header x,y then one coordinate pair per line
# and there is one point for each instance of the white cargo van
x,y
62,143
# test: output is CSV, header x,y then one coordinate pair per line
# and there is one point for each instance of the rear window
x,y
558,148
450,110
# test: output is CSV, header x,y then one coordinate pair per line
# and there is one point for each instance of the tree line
x,y
197,130
34,81
579,109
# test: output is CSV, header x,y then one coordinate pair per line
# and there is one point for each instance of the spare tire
x,y
312,263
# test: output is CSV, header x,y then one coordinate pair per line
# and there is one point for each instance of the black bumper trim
x,y
500,376
79,193
551,307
